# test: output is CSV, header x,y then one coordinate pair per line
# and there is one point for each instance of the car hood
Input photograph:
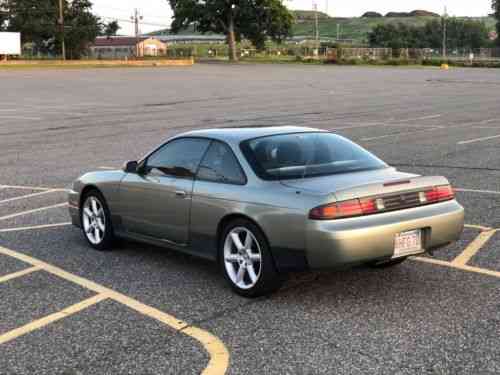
x,y
345,181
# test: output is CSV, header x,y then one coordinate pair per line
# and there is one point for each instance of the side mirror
x,y
130,167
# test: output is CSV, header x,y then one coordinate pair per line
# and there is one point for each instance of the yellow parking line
x,y
18,274
473,248
37,324
219,355
478,140
400,134
29,196
480,227
32,211
477,191
19,229
438,262
25,187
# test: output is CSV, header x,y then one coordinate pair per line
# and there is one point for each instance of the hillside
x,y
355,28
301,15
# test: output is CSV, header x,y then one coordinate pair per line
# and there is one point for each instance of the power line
x,y
52,9
55,10
127,11
133,22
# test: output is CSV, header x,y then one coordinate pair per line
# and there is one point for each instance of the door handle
x,y
180,194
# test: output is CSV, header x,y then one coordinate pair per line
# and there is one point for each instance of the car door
x,y
218,189
156,202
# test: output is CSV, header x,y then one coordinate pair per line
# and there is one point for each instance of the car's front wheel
x,y
246,261
96,221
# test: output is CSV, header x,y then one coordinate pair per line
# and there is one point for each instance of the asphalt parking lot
x,y
65,309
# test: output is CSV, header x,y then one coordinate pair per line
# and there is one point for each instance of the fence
x,y
293,51
361,53
344,53
457,53
411,54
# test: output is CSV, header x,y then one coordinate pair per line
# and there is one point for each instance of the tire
x,y
387,263
97,227
251,253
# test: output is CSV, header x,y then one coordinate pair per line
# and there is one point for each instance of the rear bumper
x,y
73,207
338,243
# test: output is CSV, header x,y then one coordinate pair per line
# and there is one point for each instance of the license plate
x,y
408,243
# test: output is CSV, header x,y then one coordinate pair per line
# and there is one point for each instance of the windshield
x,y
301,155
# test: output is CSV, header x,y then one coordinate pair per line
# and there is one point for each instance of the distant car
x,y
266,201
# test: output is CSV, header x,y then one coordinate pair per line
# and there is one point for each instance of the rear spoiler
x,y
390,187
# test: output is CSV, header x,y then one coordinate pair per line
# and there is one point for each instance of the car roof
x,y
236,135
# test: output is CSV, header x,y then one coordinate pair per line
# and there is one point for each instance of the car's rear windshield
x,y
301,155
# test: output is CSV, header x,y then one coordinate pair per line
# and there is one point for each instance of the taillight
x,y
351,208
440,194
366,206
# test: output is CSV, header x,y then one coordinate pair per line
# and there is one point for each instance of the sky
x,y
157,13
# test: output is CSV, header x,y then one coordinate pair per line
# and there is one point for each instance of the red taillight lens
x,y
354,207
440,194
360,207
368,206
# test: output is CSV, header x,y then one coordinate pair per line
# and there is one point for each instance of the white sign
x,y
10,43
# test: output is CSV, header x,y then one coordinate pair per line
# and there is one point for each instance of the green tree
x,y
3,15
461,34
254,20
111,29
433,34
390,36
37,20
81,27
496,13
466,34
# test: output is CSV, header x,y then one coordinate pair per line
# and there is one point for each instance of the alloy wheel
x,y
242,257
94,220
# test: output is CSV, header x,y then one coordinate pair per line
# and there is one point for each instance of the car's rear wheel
x,y
246,261
387,263
96,221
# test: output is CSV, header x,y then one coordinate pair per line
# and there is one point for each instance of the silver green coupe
x,y
266,201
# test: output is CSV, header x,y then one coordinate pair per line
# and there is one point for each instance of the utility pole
x,y
136,18
61,25
444,32
316,23
338,32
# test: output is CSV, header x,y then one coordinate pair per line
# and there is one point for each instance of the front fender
x,y
108,184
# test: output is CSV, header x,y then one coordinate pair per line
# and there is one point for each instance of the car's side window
x,y
179,158
220,165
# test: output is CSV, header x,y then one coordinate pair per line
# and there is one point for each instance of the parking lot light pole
x,y
444,32
61,25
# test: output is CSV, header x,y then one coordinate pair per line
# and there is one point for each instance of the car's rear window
x,y
301,155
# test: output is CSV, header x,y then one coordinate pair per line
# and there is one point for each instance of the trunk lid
x,y
376,183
